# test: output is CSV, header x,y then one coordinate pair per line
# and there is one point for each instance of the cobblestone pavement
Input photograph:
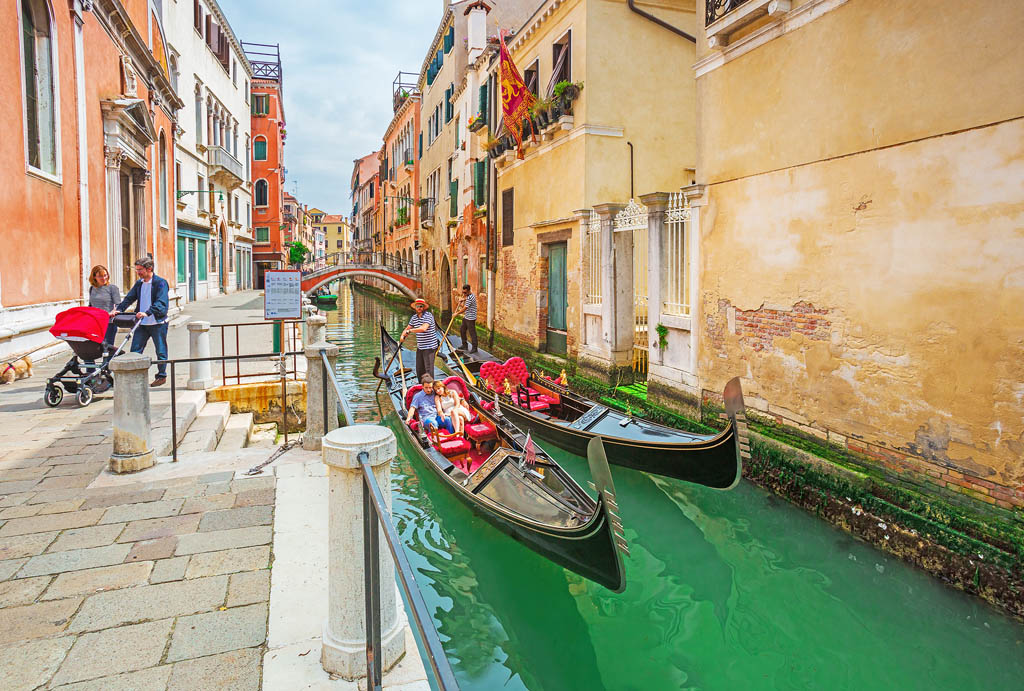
x,y
152,585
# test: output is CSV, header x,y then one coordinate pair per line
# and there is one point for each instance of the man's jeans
x,y
468,325
158,332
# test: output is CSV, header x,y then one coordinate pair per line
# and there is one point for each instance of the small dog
x,y
19,369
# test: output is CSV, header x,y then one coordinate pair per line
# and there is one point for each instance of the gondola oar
x,y
469,375
388,366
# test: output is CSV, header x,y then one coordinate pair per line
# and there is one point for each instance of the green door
x,y
557,298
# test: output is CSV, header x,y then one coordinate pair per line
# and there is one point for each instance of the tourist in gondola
x,y
423,325
448,407
423,405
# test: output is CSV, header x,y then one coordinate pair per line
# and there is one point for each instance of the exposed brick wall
x,y
541,281
757,328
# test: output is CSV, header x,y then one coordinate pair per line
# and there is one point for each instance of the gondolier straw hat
x,y
419,301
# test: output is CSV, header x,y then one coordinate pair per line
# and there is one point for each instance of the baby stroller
x,y
88,372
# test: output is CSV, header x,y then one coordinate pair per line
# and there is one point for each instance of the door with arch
x,y
446,289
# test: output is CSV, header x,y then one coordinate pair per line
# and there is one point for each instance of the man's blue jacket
x,y
159,290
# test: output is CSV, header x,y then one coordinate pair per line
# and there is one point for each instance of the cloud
x,y
339,58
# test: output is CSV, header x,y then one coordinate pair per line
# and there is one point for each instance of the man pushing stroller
x,y
150,292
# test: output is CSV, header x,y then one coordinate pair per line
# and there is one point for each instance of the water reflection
x,y
725,590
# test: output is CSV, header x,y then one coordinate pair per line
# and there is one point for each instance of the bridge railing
x,y
377,260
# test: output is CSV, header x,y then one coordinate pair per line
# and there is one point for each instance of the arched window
x,y
163,182
40,95
199,115
172,68
262,193
259,149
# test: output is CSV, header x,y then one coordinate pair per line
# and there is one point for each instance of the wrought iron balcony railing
x,y
716,9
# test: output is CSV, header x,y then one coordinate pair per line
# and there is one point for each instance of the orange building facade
x,y
400,176
365,203
87,164
268,172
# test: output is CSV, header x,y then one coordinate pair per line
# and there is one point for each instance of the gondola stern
x,y
735,409
605,488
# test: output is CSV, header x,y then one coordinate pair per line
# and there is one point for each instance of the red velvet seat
x,y
458,384
481,431
452,446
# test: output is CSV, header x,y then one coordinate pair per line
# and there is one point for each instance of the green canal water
x,y
733,590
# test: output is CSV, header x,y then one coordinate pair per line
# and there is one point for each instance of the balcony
x,y
409,162
225,169
427,210
724,17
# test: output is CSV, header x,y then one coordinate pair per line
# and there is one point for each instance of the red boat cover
x,y
78,323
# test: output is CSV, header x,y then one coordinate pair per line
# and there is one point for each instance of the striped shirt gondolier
x,y
428,339
470,307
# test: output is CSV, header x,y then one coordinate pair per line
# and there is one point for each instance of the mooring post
x,y
200,374
133,444
345,631
316,386
316,327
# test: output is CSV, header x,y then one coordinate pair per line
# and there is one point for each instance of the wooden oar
x,y
465,370
444,336
388,366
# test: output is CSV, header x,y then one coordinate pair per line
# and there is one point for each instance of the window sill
x,y
43,175
676,321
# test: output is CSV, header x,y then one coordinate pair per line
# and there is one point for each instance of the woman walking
x,y
105,296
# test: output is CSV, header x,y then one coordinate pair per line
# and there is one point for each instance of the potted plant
x,y
476,123
541,112
566,92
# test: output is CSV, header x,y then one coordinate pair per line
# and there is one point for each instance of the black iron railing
x,y
716,9
375,511
282,371
289,333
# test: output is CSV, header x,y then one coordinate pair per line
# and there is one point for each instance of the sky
x,y
339,58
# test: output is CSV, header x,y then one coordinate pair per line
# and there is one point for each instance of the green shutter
x,y
181,259
453,190
259,150
421,145
479,182
482,110
200,260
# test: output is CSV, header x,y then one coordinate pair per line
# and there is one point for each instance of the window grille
x,y
592,251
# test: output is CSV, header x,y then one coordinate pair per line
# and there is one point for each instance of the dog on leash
x,y
19,369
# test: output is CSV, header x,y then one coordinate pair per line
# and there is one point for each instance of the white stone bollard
x,y
200,374
316,327
133,445
315,383
344,638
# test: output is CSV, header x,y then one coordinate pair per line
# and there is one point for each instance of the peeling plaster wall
x,y
880,296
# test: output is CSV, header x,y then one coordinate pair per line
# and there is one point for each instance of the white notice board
x,y
282,295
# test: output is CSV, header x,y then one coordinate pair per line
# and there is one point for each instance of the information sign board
x,y
282,295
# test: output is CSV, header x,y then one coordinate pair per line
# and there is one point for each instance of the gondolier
x,y
468,307
423,325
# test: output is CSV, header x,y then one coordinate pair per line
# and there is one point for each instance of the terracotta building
x,y
399,175
88,166
365,198
268,172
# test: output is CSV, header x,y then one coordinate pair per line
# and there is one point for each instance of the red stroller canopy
x,y
81,324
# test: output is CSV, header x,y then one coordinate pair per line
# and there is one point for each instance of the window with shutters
x,y
37,56
262,193
507,218
197,16
259,149
531,77
453,191
482,103
262,234
479,183
562,61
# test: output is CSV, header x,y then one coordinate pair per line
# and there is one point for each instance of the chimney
x,y
477,30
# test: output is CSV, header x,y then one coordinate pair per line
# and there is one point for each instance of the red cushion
x,y
414,425
453,446
410,393
454,382
515,370
487,405
538,405
480,431
550,400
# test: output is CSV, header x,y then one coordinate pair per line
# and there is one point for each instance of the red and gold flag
x,y
516,99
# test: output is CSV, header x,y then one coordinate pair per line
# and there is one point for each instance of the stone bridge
x,y
403,275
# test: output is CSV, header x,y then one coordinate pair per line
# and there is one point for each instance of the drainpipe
x,y
660,22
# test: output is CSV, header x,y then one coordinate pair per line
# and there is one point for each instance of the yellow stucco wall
x,y
862,250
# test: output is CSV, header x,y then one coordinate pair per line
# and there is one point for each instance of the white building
x,y
212,166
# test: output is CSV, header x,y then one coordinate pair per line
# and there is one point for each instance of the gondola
x,y
325,299
538,504
554,413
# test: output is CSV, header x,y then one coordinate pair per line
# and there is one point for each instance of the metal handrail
x,y
212,358
238,376
373,503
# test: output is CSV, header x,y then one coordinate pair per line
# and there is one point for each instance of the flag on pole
x,y
516,99
529,451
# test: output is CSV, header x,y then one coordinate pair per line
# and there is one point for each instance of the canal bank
x,y
978,549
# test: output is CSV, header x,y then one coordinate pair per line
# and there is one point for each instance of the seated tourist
x,y
461,404
423,405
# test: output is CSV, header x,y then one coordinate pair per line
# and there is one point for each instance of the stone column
x,y
344,638
657,204
315,384
115,243
616,287
315,329
139,179
133,446
200,374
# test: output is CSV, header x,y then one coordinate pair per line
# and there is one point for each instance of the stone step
x,y
237,432
263,436
206,430
188,406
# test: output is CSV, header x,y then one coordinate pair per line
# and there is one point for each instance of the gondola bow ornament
x,y
516,99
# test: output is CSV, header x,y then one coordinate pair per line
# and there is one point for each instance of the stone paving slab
x,y
236,518
10,567
224,539
74,560
138,512
213,502
25,545
22,591
81,538
172,569
36,621
123,649
151,679
249,587
99,579
218,632
154,528
238,670
56,521
150,550
110,609
228,561
29,664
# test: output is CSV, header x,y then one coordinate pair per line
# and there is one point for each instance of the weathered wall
x,y
863,243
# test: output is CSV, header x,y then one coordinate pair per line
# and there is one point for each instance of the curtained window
x,y
40,94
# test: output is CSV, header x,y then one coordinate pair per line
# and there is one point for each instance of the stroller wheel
x,y
84,396
53,396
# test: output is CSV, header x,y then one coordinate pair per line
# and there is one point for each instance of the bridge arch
x,y
369,273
